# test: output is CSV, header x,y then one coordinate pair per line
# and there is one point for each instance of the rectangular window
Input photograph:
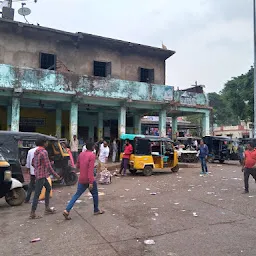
x,y
47,61
102,69
146,75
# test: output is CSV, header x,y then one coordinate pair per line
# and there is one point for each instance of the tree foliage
x,y
235,101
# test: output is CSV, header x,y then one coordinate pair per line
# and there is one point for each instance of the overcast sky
x,y
213,39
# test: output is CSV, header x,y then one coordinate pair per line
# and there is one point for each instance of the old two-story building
x,y
63,83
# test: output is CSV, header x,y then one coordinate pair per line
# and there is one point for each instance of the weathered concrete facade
x,y
21,44
70,100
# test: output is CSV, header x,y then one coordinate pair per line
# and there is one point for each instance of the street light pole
x,y
254,48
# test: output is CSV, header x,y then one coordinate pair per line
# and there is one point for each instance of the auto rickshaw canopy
x,y
9,142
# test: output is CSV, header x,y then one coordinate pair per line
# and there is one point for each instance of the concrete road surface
x,y
188,216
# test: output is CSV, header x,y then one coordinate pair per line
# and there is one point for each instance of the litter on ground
x,y
149,242
195,214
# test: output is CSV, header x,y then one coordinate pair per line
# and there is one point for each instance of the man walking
x,y
203,154
85,164
43,168
128,149
249,166
103,155
74,147
31,170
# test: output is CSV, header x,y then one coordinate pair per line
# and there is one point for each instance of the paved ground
x,y
225,224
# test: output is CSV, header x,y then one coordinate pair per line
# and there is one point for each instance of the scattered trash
x,y
183,210
115,174
138,184
113,214
174,189
35,240
224,189
154,209
179,177
147,189
21,225
144,203
156,214
149,242
234,171
133,199
191,185
251,196
153,218
41,202
78,201
176,203
219,165
210,193
179,180
172,254
189,190
101,188
126,189
153,193
220,199
195,214
121,196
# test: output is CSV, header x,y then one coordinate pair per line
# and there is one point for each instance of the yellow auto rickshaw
x,y
150,153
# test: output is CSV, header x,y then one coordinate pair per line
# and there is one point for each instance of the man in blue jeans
x,y
85,164
203,154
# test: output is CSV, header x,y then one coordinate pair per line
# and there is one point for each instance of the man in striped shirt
x,y
43,168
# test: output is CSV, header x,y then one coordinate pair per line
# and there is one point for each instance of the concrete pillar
x,y
100,125
206,123
162,123
137,124
15,117
122,121
9,118
58,122
73,124
174,127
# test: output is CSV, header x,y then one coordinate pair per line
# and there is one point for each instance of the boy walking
x,y
43,168
85,164
203,154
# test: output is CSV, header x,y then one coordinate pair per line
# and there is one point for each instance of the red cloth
x,y
42,164
128,149
85,163
250,158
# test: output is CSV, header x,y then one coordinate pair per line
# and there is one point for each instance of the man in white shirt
x,y
30,169
103,155
74,147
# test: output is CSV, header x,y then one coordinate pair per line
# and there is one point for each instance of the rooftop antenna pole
x,y
10,3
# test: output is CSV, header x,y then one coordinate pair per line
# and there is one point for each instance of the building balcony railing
x,y
50,82
47,81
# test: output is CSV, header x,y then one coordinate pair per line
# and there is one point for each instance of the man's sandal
x,y
33,216
99,212
66,216
51,210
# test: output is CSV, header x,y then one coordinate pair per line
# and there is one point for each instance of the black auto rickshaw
x,y
220,148
12,144
10,188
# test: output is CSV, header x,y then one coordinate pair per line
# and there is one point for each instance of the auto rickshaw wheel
x,y
147,171
221,161
71,178
175,168
132,171
15,197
